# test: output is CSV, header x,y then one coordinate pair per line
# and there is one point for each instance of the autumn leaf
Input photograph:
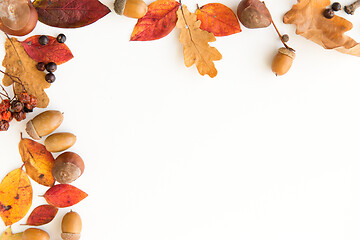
x,y
218,19
196,43
8,235
15,196
70,13
64,195
42,215
310,23
158,22
19,64
54,51
38,161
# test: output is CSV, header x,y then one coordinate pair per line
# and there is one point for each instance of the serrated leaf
x,y
70,13
42,215
15,196
64,195
54,51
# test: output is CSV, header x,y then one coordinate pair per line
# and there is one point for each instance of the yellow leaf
x,y
8,235
19,64
196,43
15,196
38,161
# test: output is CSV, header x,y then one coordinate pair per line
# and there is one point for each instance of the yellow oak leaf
x,y
18,64
15,196
8,235
196,43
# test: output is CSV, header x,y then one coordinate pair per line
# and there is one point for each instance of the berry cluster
x,y
330,12
16,108
51,66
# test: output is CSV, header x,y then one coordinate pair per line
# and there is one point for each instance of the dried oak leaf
x,y
38,161
218,19
70,13
64,195
42,215
8,235
54,51
310,23
196,43
19,64
15,196
158,22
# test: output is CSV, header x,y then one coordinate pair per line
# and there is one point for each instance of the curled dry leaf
x,y
218,19
158,22
64,195
38,161
19,64
196,43
15,196
310,23
8,235
70,13
42,215
54,51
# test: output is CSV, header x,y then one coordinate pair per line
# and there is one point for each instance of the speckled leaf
x,y
64,195
42,215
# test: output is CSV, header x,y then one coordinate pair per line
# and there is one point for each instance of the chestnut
x,y
68,167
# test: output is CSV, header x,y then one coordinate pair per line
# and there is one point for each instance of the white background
x,y
172,155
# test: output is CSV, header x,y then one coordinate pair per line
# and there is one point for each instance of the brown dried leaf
x,y
310,23
19,64
196,43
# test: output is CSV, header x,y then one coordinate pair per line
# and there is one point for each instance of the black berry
x,y
329,13
61,38
336,6
43,40
51,67
40,66
50,77
16,106
285,38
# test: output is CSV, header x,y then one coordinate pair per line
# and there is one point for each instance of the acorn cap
x,y
70,236
31,130
119,6
288,52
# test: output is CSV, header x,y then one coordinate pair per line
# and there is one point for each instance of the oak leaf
x,y
15,196
158,22
38,161
42,215
196,43
21,66
64,195
70,13
310,23
8,235
54,51
218,19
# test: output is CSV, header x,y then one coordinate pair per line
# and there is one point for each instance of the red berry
x,y
16,106
24,97
4,125
6,116
33,101
19,116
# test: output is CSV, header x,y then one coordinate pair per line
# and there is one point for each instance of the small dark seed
x,y
285,38
51,67
43,40
336,6
329,13
61,38
40,66
50,77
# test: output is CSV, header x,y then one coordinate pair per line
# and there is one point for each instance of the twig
x,y
350,9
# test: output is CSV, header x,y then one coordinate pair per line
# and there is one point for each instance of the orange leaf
x,y
64,195
8,235
158,22
15,196
42,215
218,19
310,23
38,161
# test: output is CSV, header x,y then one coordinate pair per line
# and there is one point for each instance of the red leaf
x,y
158,22
218,19
52,52
42,215
64,195
70,13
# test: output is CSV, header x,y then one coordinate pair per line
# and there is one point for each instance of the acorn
x,y
131,8
35,234
59,142
71,226
44,124
68,167
282,61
